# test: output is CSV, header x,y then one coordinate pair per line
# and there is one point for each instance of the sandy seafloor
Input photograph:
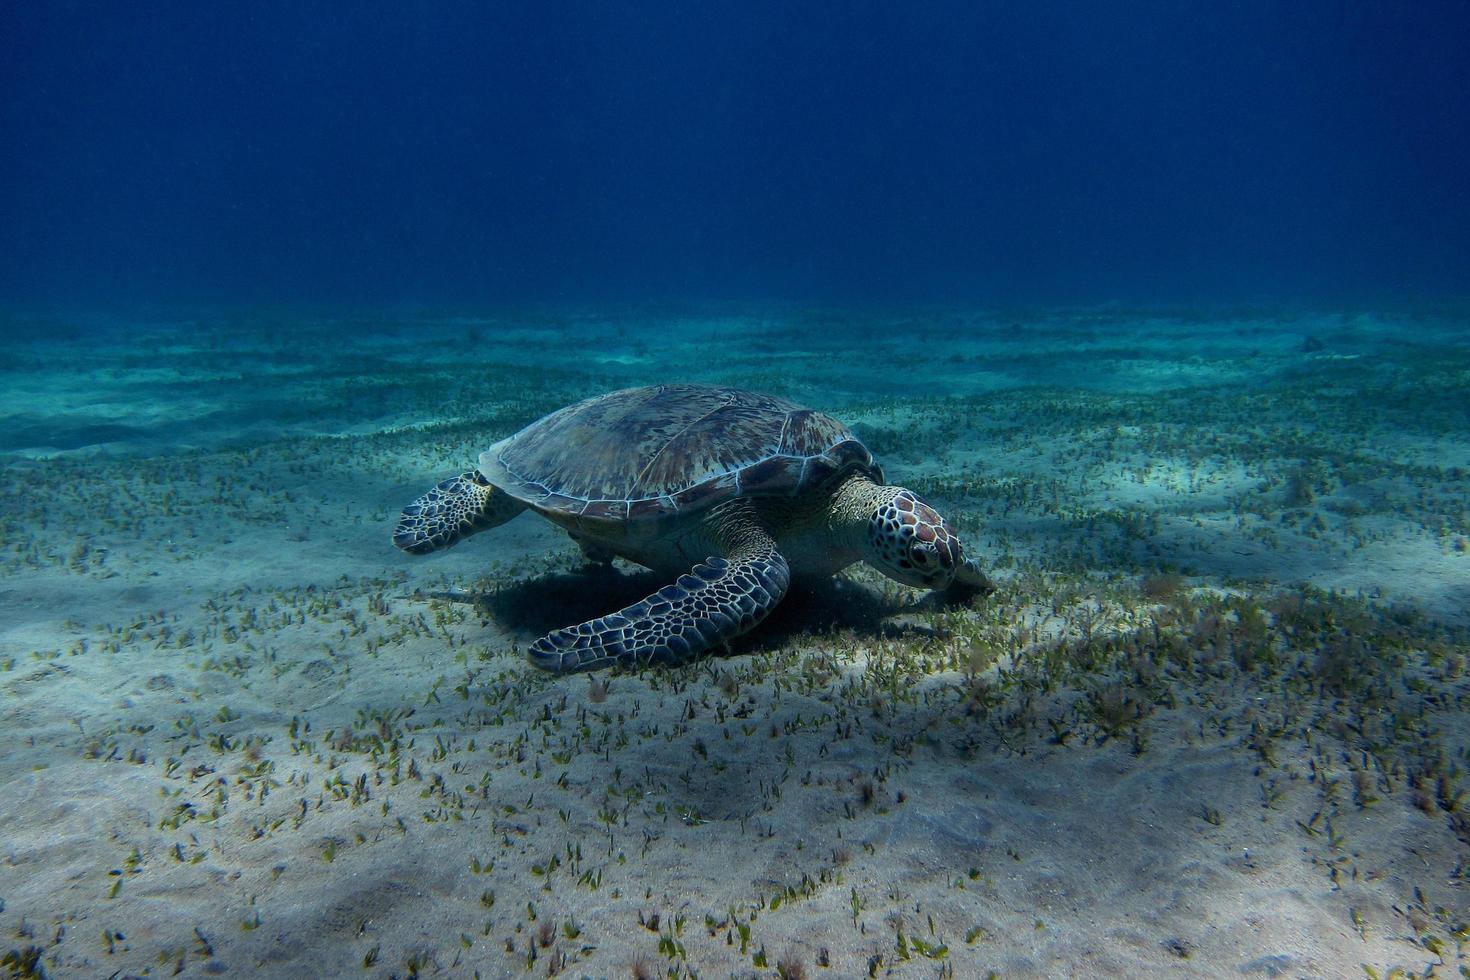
x,y
1213,723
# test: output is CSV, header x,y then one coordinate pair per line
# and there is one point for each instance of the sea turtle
x,y
729,493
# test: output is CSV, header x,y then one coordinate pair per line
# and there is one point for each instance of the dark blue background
x,y
439,153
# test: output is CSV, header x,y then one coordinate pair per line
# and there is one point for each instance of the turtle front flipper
x,y
718,599
452,511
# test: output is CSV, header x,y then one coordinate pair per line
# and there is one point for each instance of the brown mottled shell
x,y
671,450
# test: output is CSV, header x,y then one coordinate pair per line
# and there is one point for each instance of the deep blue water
x,y
436,153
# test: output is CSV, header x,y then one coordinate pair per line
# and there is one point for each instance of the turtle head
x,y
910,543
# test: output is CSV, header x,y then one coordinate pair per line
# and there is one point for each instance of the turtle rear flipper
x,y
718,599
452,511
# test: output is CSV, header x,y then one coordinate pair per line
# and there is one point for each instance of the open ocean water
x,y
1163,308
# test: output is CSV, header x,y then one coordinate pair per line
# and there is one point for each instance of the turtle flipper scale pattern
x,y
714,602
452,511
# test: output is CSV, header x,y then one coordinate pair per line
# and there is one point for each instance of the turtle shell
x,y
671,450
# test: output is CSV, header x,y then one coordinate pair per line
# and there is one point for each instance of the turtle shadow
x,y
837,605
534,607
